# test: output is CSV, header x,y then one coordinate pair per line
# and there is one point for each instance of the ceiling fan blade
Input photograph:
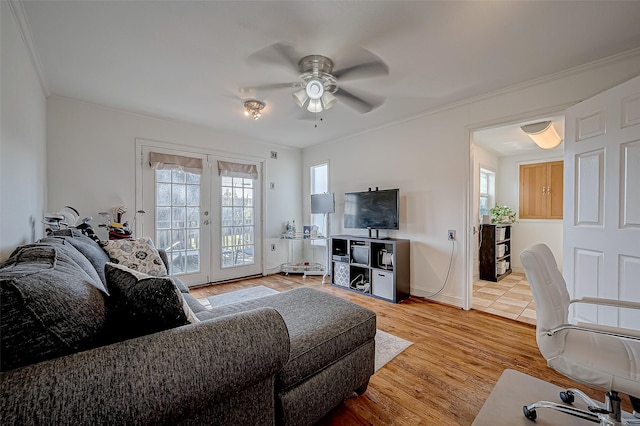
x,y
278,54
358,102
366,70
277,86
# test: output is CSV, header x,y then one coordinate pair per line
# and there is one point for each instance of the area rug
x,y
236,296
388,346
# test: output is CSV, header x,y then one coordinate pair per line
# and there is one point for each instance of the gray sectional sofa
x,y
73,352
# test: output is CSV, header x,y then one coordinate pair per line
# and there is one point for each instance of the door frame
x,y
226,155
469,220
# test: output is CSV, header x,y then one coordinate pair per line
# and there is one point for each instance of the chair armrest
x,y
607,302
599,329
162,378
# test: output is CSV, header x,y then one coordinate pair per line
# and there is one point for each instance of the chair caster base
x,y
529,413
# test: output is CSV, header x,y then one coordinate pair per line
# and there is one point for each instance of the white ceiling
x,y
188,60
508,140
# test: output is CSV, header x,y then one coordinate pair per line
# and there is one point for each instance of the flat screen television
x,y
372,209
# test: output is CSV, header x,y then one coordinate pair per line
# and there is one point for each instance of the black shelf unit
x,y
495,252
376,267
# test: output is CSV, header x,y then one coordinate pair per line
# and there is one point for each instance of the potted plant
x,y
502,214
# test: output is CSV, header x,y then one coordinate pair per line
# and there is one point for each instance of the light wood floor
x,y
446,375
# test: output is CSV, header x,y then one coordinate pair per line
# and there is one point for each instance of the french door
x,y
209,225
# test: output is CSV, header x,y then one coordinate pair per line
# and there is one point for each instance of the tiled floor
x,y
510,297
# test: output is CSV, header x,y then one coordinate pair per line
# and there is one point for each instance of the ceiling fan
x,y
320,86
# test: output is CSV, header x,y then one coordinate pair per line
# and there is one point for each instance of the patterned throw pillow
x,y
142,304
138,254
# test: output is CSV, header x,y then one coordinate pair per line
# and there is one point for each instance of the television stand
x,y
376,267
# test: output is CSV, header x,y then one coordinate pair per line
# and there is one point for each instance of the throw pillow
x,y
48,307
142,304
138,254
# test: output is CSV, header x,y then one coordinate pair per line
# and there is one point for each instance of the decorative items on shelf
x,y
502,214
290,230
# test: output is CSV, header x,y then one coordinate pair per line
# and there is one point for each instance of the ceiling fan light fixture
x,y
315,105
543,134
328,100
253,108
300,97
314,88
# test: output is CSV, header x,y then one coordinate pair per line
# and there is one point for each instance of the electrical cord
x,y
453,248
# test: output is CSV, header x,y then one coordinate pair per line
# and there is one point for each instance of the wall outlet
x,y
273,247
451,235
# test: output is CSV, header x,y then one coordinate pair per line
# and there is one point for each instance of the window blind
x,y
247,171
159,161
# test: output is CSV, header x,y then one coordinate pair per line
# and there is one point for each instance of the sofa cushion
x,y
77,256
92,251
142,304
49,307
138,254
323,328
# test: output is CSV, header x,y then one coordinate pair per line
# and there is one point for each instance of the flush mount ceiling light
x,y
252,107
543,134
319,84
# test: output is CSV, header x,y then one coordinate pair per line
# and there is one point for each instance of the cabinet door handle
x,y
548,190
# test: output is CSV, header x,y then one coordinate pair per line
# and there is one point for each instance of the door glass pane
x,y
178,226
237,220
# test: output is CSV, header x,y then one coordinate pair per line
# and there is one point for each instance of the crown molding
x,y
17,9
598,63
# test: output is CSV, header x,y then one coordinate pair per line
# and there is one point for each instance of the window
x,y
319,185
487,191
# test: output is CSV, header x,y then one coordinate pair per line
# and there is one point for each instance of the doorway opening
x,y
497,152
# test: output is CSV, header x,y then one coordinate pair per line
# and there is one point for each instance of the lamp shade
x,y
315,105
328,100
300,97
543,134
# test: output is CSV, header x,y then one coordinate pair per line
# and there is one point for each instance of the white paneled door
x,y
602,203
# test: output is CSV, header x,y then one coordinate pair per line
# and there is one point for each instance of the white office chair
x,y
604,357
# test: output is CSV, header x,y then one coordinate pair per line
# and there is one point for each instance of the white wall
x,y
22,143
527,232
428,159
91,159
486,159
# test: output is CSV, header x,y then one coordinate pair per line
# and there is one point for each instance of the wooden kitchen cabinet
x,y
541,189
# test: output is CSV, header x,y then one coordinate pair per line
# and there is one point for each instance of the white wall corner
x,y
17,9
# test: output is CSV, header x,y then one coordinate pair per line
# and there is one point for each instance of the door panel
x,y
238,251
176,205
555,190
602,203
533,178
